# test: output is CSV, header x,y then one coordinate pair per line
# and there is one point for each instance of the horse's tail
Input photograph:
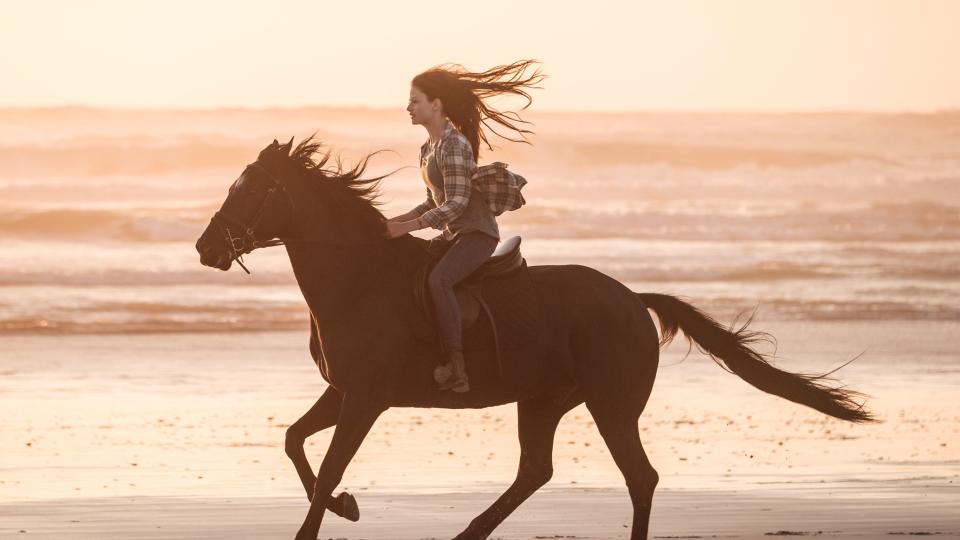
x,y
731,350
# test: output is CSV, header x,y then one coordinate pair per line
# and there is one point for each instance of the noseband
x,y
243,243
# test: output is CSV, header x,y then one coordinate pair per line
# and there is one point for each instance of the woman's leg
x,y
466,254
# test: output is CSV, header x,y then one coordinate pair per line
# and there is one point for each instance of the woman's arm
x,y
404,217
400,228
457,166
417,211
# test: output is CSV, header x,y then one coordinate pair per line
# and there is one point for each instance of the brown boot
x,y
453,375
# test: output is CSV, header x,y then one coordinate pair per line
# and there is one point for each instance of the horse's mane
x,y
328,176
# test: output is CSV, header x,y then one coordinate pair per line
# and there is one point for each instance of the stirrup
x,y
457,385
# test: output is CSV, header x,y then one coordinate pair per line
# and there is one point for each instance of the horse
x,y
367,335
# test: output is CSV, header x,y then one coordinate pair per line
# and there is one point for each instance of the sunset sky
x,y
737,55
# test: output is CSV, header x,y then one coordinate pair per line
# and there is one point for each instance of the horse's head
x,y
258,208
296,195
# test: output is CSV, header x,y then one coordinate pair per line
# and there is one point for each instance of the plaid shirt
x,y
455,160
500,187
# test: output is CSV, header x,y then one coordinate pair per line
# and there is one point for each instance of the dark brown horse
x,y
367,330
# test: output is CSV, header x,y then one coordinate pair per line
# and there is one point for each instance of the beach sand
x,y
566,513
181,436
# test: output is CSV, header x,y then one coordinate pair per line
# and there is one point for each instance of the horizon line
x,y
283,108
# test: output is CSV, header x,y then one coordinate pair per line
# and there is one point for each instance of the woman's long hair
x,y
463,93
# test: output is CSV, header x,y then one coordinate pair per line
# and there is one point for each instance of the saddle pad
x,y
513,303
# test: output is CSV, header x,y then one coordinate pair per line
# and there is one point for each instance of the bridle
x,y
240,245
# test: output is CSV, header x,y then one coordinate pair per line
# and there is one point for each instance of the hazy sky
x,y
742,55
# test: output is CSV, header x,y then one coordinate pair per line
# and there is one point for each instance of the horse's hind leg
x,y
618,426
321,416
537,419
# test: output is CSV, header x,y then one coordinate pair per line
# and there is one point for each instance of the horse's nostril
x,y
208,258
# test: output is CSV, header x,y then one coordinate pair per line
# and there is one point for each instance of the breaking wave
x,y
914,221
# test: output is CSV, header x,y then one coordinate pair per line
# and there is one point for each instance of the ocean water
x,y
798,216
128,370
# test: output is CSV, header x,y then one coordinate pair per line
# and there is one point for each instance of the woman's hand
x,y
404,217
398,229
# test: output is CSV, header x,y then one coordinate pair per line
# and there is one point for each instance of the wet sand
x,y
181,435
582,514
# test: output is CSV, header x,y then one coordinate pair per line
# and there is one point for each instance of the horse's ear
x,y
270,149
285,148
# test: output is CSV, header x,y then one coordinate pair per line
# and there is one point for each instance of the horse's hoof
x,y
469,534
305,536
442,374
348,506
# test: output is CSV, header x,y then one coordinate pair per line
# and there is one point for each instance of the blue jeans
x,y
467,253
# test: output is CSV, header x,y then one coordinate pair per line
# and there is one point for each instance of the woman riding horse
x,y
449,103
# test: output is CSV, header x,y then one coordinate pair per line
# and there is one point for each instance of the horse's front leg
x,y
321,416
357,415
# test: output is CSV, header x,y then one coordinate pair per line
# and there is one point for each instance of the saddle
x,y
505,261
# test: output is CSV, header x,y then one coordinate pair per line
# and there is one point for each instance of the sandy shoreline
x,y
181,436
591,514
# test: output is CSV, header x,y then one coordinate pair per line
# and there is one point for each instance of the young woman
x,y
448,102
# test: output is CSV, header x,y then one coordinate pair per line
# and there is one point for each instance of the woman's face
x,y
422,110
